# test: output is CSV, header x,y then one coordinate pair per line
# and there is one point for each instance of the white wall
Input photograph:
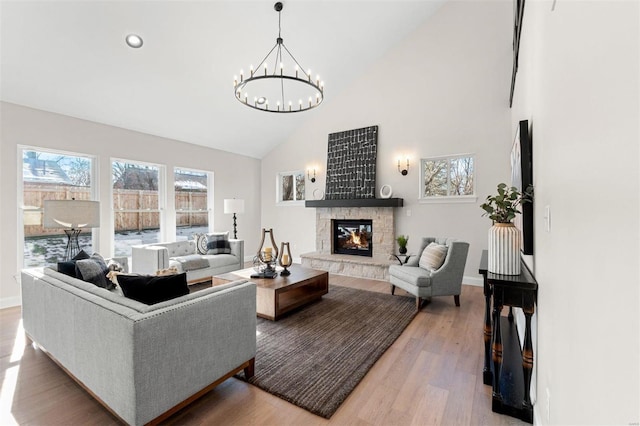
x,y
444,90
234,176
578,84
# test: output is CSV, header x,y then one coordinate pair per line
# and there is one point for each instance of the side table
x,y
405,256
511,369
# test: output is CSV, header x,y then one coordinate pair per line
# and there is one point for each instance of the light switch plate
x,y
547,218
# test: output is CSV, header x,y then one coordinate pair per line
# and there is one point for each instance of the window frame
x,y
446,198
22,209
162,199
295,201
210,198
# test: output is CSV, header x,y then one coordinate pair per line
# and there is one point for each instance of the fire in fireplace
x,y
353,236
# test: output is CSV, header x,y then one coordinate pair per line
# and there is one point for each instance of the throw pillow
x,y
433,256
201,243
114,266
68,268
218,243
113,276
94,270
151,289
81,255
172,270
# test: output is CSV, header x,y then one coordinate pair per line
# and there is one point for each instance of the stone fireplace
x,y
382,243
349,201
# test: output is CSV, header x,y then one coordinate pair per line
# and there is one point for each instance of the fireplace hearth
x,y
352,236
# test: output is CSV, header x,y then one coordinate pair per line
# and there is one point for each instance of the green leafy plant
x,y
402,241
504,207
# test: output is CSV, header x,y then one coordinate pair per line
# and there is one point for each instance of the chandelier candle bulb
x,y
281,68
251,70
265,69
296,71
241,76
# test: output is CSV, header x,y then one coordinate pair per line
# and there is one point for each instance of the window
x,y
136,204
447,179
192,205
51,175
290,187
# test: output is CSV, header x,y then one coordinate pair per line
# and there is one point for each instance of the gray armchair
x,y
422,283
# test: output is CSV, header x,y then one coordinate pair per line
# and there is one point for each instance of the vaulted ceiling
x,y
70,57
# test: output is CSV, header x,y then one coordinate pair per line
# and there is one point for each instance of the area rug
x,y
316,356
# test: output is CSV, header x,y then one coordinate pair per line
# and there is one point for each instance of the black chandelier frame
x,y
262,104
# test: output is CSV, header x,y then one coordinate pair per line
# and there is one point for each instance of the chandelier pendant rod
x,y
265,58
281,80
296,61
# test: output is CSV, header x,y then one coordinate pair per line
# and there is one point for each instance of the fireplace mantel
x,y
357,202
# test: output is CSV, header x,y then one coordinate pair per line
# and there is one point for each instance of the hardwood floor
x,y
431,375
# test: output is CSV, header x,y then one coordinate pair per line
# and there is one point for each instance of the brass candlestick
x,y
285,259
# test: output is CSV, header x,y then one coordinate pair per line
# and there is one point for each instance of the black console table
x,y
506,367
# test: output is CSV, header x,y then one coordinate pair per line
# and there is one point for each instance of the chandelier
x,y
282,88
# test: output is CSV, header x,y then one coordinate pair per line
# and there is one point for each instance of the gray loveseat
x,y
142,362
150,258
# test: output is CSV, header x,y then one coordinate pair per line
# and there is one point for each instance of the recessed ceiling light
x,y
134,40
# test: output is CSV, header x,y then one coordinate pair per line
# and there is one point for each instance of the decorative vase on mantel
x,y
504,249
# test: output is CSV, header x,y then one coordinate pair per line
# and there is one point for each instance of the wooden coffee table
x,y
277,296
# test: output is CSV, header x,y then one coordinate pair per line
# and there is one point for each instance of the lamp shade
x,y
233,205
71,214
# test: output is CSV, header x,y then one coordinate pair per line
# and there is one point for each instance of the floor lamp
x,y
234,205
72,215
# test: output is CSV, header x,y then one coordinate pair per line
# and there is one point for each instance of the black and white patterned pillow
x,y
218,243
201,243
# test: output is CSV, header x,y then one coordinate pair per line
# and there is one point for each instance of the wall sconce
x,y
403,171
311,178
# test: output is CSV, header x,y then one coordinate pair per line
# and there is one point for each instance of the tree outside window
x,y
291,187
447,178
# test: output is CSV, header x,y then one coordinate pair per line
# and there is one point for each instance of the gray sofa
x,y
150,258
142,362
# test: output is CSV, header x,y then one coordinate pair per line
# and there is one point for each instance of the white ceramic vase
x,y
504,249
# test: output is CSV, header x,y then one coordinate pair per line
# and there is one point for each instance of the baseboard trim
x,y
536,415
10,302
474,281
